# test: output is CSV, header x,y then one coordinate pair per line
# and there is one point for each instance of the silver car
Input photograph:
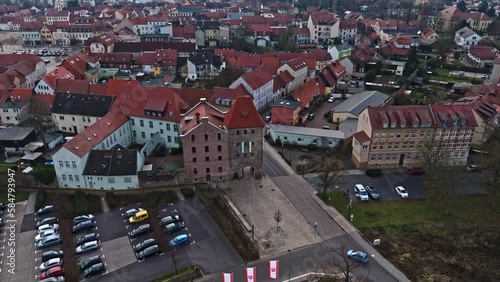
x,y
51,263
87,247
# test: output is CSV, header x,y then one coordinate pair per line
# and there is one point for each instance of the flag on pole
x,y
227,277
251,274
273,269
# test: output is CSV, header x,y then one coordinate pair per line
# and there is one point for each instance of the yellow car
x,y
138,217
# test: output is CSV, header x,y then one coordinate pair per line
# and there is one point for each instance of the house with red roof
x,y
323,26
428,36
80,65
348,28
259,84
482,56
160,61
103,43
297,68
451,16
47,85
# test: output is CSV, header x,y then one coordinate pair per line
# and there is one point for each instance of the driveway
x,y
319,121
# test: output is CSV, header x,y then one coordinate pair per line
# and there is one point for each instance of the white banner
x,y
227,277
251,274
273,269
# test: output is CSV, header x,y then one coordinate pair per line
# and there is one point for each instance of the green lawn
x,y
387,214
20,196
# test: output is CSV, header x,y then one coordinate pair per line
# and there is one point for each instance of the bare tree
x,y
36,116
434,154
490,161
333,172
278,217
342,264
442,188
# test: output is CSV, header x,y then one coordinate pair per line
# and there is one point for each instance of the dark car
x,y
51,240
310,117
415,171
146,243
85,225
149,251
46,210
174,227
372,193
87,238
143,229
1,222
2,206
82,218
170,219
48,220
94,269
51,254
89,262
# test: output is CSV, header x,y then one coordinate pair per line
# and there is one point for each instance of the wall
x,y
120,182
168,131
239,160
66,123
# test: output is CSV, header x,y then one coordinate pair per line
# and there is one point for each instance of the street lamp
x,y
350,209
289,265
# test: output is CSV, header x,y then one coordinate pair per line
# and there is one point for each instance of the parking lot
x,y
319,121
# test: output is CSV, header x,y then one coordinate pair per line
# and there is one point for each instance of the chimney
x,y
197,118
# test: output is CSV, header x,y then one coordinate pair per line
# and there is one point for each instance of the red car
x,y
52,272
415,171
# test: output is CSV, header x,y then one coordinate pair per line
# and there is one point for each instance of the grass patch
x,y
81,203
386,214
20,196
186,274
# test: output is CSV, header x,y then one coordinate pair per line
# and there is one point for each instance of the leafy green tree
x,y
462,6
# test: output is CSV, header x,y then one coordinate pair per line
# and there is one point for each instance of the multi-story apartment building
x,y
323,26
30,33
399,135
73,113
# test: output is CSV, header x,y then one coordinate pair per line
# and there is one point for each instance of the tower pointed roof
x,y
243,114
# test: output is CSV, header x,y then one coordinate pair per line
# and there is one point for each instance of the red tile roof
x,y
98,89
132,99
285,76
258,77
72,86
484,52
361,137
204,110
88,139
297,64
192,96
306,92
12,59
115,85
22,94
243,114
410,114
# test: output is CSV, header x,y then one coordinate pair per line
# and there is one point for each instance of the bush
x,y
153,198
167,198
40,199
44,175
175,151
374,172
110,198
187,192
81,204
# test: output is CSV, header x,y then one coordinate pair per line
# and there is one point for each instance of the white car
x,y
331,100
132,212
51,263
44,234
402,192
46,227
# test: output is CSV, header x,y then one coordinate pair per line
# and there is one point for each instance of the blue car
x,y
358,256
46,210
179,240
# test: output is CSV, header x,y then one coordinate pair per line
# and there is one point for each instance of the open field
x,y
428,245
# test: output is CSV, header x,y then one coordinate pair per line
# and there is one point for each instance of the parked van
x,y
138,217
360,191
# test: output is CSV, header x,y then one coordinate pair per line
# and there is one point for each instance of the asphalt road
x,y
299,192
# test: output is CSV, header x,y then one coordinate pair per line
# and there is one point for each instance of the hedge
x,y
44,175
81,204
40,199
187,192
374,172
